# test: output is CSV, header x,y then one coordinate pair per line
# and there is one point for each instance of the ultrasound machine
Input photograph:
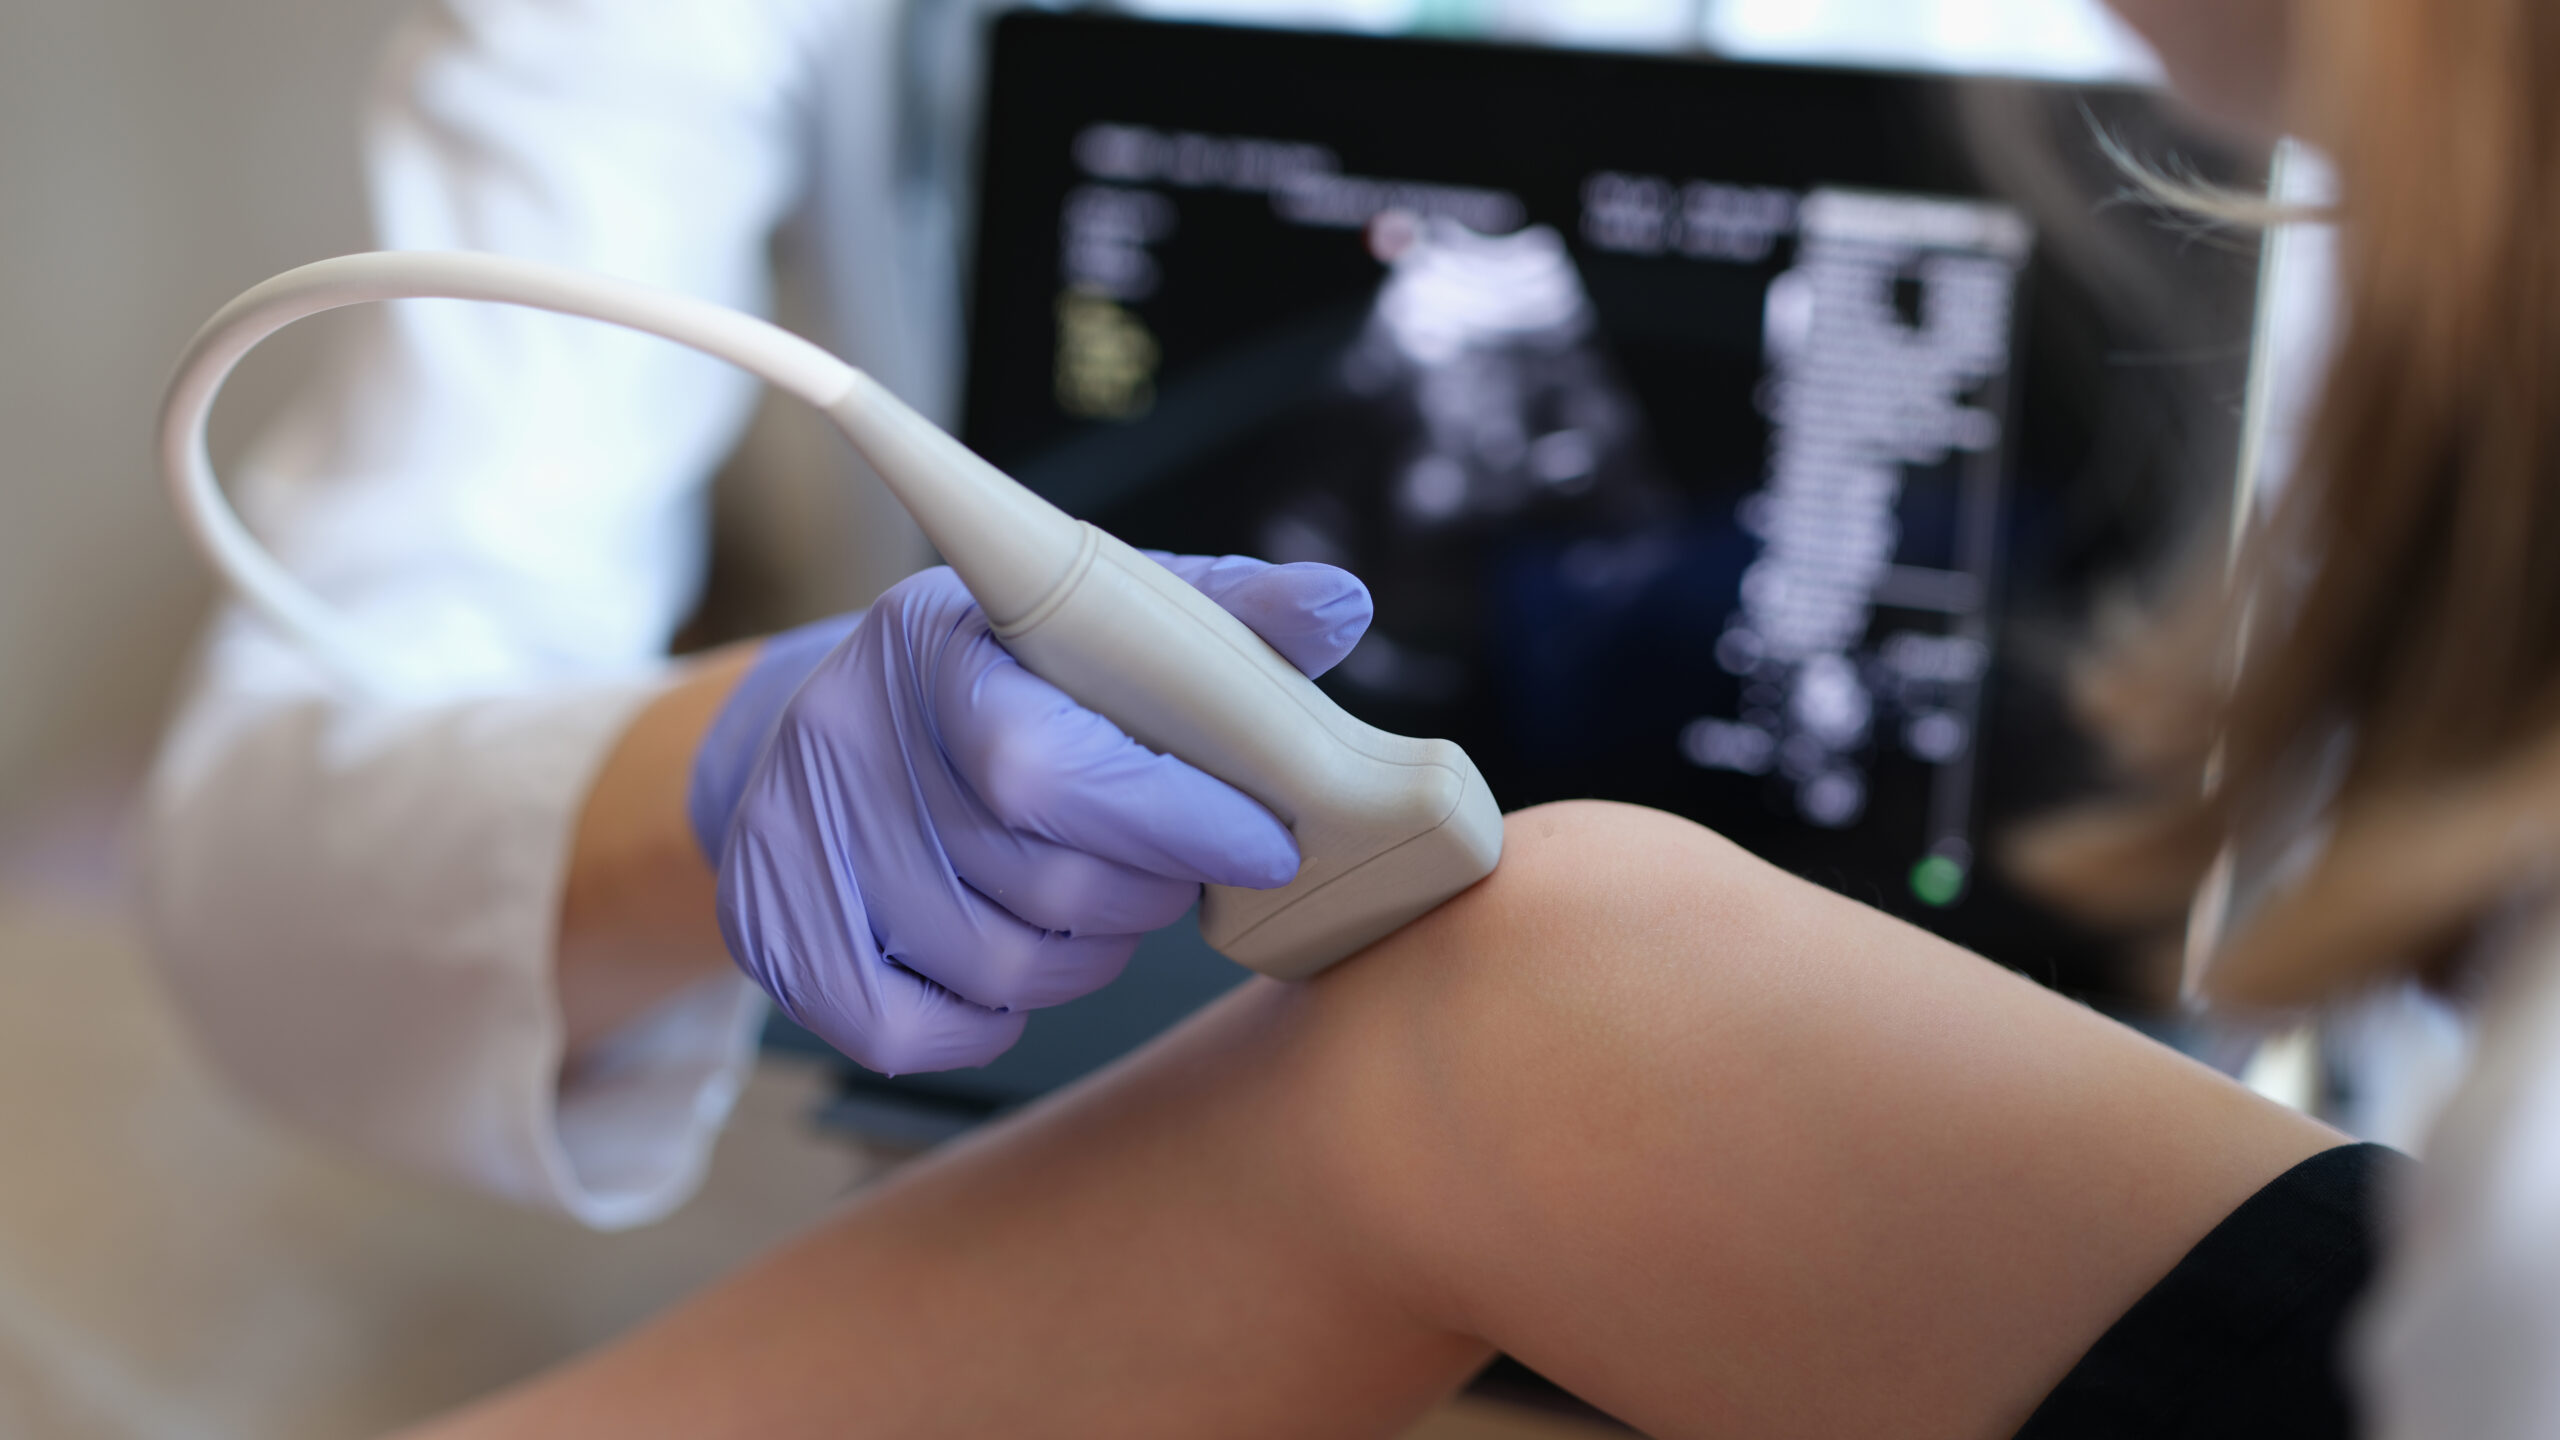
x,y
1748,441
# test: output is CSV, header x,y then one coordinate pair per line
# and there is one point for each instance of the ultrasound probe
x,y
1388,826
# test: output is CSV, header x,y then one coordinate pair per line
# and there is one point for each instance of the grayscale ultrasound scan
x,y
1739,440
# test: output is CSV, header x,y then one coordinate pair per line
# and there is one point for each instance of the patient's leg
x,y
1722,1151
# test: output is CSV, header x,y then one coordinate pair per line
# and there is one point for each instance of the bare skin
x,y
1720,1150
637,923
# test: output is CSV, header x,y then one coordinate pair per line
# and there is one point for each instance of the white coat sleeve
x,y
356,902
2461,1338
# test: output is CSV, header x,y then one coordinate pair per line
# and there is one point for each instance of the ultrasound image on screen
x,y
1682,418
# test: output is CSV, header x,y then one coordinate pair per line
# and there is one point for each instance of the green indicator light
x,y
1937,880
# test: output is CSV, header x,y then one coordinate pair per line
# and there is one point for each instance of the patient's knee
x,y
1606,938
1572,988
1590,896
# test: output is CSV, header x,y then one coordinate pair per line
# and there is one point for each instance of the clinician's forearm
x,y
637,924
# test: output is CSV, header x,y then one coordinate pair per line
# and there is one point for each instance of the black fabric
x,y
2244,1337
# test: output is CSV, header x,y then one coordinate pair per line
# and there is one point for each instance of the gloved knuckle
x,y
919,596
909,1042
889,1053
1055,892
1011,971
891,1047
1022,779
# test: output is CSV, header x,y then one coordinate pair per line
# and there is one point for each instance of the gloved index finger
x,y
1045,765
1312,614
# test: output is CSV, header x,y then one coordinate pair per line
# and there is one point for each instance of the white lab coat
x,y
356,902
2461,1338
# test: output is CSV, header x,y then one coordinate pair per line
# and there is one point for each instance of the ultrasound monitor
x,y
1739,440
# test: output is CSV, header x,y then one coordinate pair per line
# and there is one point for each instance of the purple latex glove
x,y
918,840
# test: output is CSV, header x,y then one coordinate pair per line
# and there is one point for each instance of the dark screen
x,y
1712,437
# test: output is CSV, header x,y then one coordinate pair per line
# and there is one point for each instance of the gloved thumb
x,y
1312,614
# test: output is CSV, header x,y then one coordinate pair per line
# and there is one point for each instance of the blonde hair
x,y
2406,589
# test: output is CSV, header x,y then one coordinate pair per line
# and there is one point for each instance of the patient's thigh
x,y
1733,1155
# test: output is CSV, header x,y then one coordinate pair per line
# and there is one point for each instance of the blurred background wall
x,y
156,156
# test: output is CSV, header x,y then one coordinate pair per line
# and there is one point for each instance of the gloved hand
x,y
918,840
